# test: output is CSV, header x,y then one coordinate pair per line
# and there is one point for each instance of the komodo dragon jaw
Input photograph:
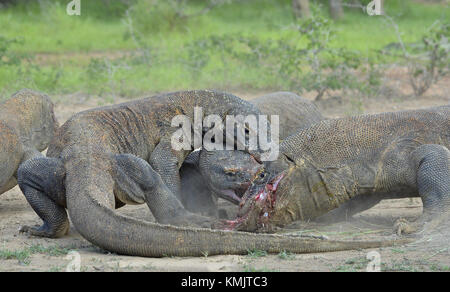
x,y
228,194
229,173
237,189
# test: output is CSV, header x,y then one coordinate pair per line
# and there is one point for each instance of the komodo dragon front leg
x,y
44,190
165,161
432,173
42,181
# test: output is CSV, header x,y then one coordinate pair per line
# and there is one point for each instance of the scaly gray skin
x,y
103,158
332,163
27,124
294,111
207,175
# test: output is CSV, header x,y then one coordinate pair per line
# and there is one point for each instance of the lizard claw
x,y
403,226
44,231
25,229
35,231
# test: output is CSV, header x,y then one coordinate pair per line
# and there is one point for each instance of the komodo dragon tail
x,y
89,191
128,236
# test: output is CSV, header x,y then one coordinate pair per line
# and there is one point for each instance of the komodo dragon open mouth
x,y
233,196
256,207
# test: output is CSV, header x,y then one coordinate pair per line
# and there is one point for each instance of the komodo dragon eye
x,y
261,177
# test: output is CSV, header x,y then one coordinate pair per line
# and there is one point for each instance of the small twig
x,y
397,34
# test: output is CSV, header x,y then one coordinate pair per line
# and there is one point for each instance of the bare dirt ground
x,y
19,252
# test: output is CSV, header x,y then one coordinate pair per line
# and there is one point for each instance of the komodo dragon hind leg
x,y
141,183
433,183
42,182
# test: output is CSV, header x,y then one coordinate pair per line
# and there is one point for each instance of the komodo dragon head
x,y
226,174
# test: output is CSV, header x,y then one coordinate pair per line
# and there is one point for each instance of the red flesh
x,y
267,196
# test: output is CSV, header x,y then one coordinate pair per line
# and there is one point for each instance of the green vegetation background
x,y
108,50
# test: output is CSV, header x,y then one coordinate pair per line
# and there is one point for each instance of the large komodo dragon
x,y
334,162
98,160
208,175
27,124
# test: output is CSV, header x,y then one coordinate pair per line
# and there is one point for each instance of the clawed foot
x,y
35,231
403,226
44,231
426,224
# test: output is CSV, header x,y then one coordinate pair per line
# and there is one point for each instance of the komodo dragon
x,y
27,124
129,144
98,161
208,175
388,155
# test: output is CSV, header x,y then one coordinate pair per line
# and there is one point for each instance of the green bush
x,y
427,60
302,66
155,15
8,56
430,60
